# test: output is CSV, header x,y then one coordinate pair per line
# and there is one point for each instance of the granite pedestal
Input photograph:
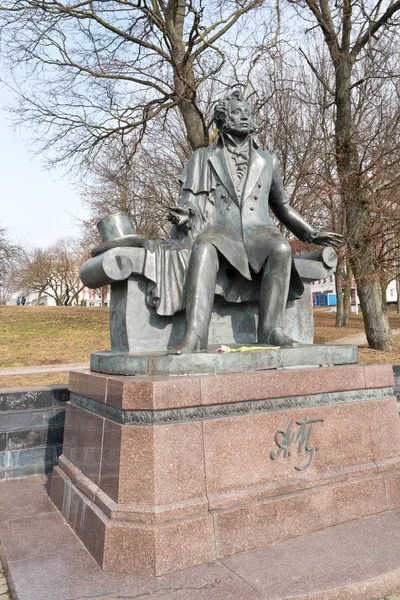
x,y
159,473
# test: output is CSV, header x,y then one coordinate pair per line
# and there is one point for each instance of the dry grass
x,y
325,331
43,335
33,335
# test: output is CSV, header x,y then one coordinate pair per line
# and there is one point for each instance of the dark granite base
x,y
31,429
396,373
202,363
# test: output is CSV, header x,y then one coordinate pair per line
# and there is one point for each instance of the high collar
x,y
224,139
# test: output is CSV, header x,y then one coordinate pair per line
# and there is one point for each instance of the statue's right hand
x,y
178,215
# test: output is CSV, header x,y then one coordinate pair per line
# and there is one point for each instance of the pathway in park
x,y
5,372
358,340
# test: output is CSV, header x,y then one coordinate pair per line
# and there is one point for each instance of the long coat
x,y
236,223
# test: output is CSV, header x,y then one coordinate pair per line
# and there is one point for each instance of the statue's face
x,y
240,117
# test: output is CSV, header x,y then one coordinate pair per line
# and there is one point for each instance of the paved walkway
x,y
359,339
5,372
47,561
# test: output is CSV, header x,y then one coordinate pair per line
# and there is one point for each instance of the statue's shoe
x,y
278,337
191,343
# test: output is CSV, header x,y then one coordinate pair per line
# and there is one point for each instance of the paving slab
x,y
46,561
349,561
359,339
31,370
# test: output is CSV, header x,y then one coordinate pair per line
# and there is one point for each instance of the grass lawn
x,y
31,335
43,335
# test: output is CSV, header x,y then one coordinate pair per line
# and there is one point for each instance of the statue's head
x,y
233,114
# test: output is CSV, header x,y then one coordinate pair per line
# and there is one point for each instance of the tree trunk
x,y
383,288
358,218
398,295
339,287
347,294
185,88
377,327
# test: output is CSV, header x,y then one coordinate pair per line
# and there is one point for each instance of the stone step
x,y
358,560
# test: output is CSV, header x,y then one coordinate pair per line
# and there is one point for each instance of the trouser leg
x,y
274,290
200,291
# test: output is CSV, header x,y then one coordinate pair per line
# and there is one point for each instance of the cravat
x,y
241,159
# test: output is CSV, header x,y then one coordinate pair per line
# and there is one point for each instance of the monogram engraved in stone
x,y
284,439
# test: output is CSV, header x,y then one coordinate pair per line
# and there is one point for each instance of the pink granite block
x,y
262,523
130,393
93,532
153,393
353,561
129,469
83,436
130,549
385,430
343,438
89,384
176,392
184,544
238,451
377,376
74,509
71,502
160,467
154,551
105,504
83,483
110,459
57,483
276,384
392,485
179,476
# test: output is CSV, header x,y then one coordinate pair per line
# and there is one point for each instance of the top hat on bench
x,y
117,231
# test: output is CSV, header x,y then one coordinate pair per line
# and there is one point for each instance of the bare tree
x,y
10,255
54,271
361,40
145,187
93,71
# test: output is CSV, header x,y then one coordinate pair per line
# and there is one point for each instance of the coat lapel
x,y
221,167
256,166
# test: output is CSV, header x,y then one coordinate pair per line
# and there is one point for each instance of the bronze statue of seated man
x,y
227,190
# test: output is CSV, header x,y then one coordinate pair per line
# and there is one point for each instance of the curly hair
x,y
221,117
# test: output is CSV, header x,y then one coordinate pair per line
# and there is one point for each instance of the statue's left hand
x,y
326,238
179,215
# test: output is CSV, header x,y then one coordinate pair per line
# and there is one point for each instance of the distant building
x,y
324,293
86,297
391,292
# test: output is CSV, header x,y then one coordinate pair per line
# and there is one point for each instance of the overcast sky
x,y
37,206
